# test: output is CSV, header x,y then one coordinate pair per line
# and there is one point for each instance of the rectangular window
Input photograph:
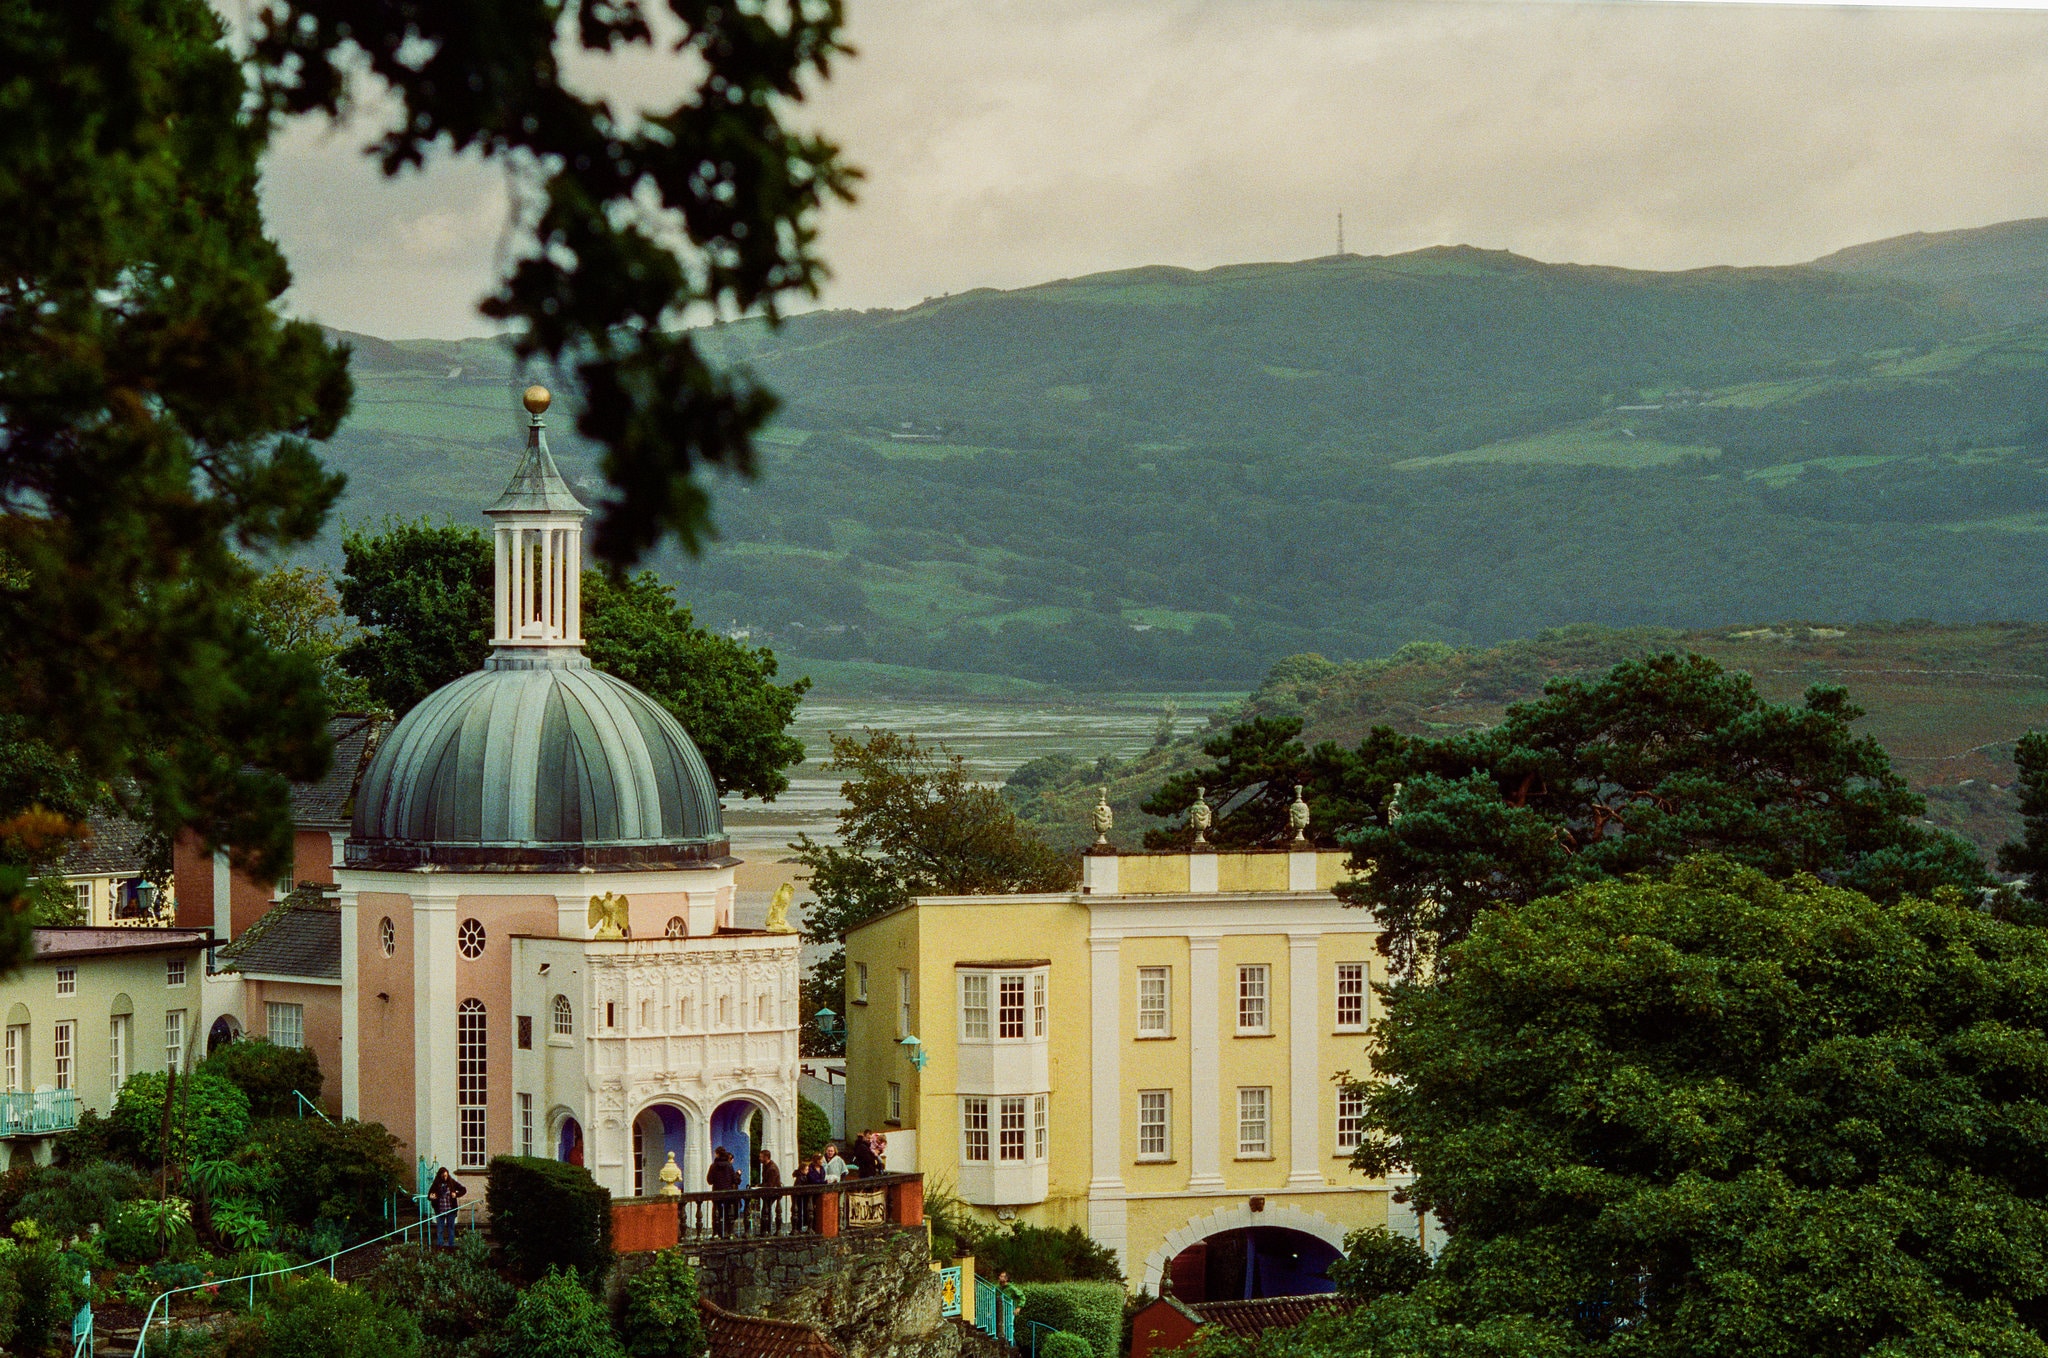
x,y
724,1010
471,1083
611,1012
1155,991
17,1056
174,972
1154,1129
1010,1007
174,1039
285,1024
1038,1005
1012,1129
895,1102
526,1125
117,1057
1251,999
1038,1130
1351,994
860,982
61,1048
1253,1140
974,1122
1350,1117
973,1006
902,1003
526,1032
646,1014
67,980
82,899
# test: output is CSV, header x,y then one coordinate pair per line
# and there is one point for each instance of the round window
x,y
677,928
469,937
387,935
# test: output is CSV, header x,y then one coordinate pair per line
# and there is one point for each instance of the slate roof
x,y
115,849
328,804
537,484
58,944
300,936
1254,1316
738,1336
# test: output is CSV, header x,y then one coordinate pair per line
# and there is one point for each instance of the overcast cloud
x,y
1007,143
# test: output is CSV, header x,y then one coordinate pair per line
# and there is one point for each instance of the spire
x,y
539,540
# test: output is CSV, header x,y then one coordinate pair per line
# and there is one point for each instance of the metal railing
x,y
32,1113
792,1210
305,1103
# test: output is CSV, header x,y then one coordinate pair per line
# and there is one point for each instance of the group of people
x,y
868,1154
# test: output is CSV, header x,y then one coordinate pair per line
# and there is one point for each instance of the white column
x,y
436,1123
223,903
351,1024
547,581
501,592
573,569
1304,1026
1205,1115
1107,1214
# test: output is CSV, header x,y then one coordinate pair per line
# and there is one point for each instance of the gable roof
x,y
114,849
300,936
330,803
738,1336
1255,1315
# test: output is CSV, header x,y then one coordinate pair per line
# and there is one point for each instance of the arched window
x,y
469,1078
565,1017
678,927
387,935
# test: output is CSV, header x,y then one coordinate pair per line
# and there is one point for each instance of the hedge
x,y
1094,1311
546,1214
1063,1344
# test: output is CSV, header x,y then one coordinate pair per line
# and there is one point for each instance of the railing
x,y
23,1113
801,1209
304,1103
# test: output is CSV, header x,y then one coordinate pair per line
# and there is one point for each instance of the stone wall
x,y
874,1292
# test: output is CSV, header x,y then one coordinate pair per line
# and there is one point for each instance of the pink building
x,y
536,896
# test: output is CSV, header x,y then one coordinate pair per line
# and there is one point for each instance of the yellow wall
x,y
1155,1063
1346,1050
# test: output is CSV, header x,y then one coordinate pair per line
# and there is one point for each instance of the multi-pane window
x,y
1010,1007
974,1124
17,1056
1253,1123
174,1039
895,1101
387,936
285,1024
469,939
174,972
677,927
1038,1004
1350,1117
1038,1128
1251,999
1155,991
1154,1126
1011,1145
82,899
526,1032
973,1006
117,1056
470,1087
860,981
526,1125
1351,994
61,1048
67,980
565,1017
902,1002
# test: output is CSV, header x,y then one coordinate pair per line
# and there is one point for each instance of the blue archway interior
x,y
572,1137
1260,1261
729,1130
674,1137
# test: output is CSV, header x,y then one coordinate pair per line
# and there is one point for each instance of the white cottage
x,y
538,949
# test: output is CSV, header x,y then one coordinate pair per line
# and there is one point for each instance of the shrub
x,y
209,1118
1092,1310
144,1229
48,1287
70,1201
1377,1262
557,1318
314,1318
547,1215
661,1319
1063,1344
459,1301
1037,1254
813,1128
267,1074
340,1172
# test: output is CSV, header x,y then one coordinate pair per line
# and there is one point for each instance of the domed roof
x,y
537,763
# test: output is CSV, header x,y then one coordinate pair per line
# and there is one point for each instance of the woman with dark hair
x,y
444,1195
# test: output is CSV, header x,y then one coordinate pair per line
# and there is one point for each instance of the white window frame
x,y
67,980
975,1147
1041,1131
64,1048
1254,1122
174,973
284,1023
1350,1118
1038,1004
562,1017
118,1030
904,1026
860,983
526,1125
81,897
472,1088
1012,1128
174,1039
895,1101
16,1069
1254,999
1155,1125
1351,988
974,1006
1155,1001
1009,1015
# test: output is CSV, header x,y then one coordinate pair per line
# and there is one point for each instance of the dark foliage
x,y
421,594
1378,1263
456,1296
1041,1254
546,1214
661,1319
2029,853
267,1074
338,1172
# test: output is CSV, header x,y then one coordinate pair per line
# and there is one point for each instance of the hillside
x,y
1161,478
2000,272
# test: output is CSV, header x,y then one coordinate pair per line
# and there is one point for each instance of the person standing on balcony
x,y
724,1177
864,1157
835,1168
768,1174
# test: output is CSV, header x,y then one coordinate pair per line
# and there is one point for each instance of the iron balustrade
x,y
25,1113
793,1210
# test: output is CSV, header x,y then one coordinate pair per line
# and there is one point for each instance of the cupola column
x,y
539,548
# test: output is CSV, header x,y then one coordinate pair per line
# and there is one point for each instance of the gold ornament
x,y
536,399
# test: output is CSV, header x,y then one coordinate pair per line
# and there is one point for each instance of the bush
x,y
1377,1263
314,1318
1037,1254
557,1318
70,1201
209,1118
813,1128
49,1289
143,1230
1063,1344
266,1074
328,1171
1094,1311
661,1319
547,1215
459,1301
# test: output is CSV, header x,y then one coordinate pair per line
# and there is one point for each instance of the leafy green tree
x,y
456,1296
342,1172
2029,853
209,1117
557,1318
421,596
915,823
1719,1114
813,1128
267,1074
294,610
1378,1263
1251,785
661,1319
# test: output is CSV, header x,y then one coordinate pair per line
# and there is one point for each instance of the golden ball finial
x,y
536,399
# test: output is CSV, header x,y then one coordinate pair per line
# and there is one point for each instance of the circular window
x,y
387,935
677,927
469,937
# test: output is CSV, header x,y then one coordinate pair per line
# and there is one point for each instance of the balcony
x,y
40,1113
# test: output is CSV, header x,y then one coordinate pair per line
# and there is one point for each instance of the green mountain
x,y
1160,477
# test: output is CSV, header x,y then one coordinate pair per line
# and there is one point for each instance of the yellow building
x,y
1150,1058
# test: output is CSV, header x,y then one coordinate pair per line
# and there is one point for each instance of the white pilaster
x,y
1098,874
436,1123
223,902
1205,1117
351,1023
1304,1026
1202,873
572,917
1105,1071
1301,871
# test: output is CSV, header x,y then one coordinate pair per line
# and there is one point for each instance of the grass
x,y
866,679
1570,447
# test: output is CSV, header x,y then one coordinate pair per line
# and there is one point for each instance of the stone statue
x,y
1297,817
778,910
608,918
1394,804
1105,819
1198,816
670,1175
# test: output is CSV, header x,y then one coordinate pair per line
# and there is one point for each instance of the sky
x,y
1010,142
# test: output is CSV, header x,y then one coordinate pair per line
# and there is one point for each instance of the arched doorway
x,y
739,1125
1257,1261
660,1131
569,1142
225,1029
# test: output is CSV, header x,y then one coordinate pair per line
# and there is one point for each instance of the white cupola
x,y
539,531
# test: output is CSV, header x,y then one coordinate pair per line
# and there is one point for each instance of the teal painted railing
x,y
31,1114
304,1103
